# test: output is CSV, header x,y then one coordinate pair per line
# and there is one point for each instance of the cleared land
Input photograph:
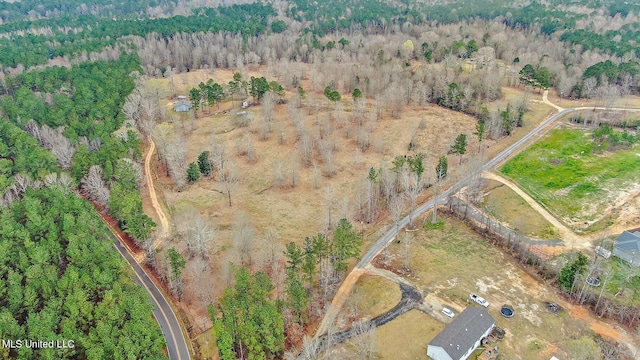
x,y
400,339
370,297
505,205
579,186
392,346
465,263
301,210
292,211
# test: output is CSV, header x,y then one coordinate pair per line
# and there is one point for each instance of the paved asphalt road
x,y
166,318
386,238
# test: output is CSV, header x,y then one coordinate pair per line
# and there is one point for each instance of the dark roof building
x,y
462,336
627,247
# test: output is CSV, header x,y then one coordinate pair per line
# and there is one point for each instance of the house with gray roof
x,y
182,105
627,247
462,336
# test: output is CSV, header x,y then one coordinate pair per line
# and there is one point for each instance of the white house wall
x,y
437,353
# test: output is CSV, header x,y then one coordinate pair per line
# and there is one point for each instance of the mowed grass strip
x,y
563,173
507,206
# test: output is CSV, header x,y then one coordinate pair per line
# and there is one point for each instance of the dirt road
x,y
339,299
163,232
570,239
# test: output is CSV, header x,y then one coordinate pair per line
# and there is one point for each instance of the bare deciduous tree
x,y
177,160
317,175
243,238
310,348
329,195
54,141
218,154
327,149
364,340
278,175
306,146
412,188
589,87
268,104
437,183
161,136
62,180
94,187
396,207
199,234
229,177
293,169
142,109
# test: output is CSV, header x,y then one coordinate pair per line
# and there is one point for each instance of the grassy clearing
x,y
505,205
564,174
452,261
407,336
296,212
400,339
373,296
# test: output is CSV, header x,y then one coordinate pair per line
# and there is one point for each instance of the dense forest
x,y
62,280
73,119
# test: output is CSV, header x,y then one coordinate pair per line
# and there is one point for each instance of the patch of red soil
x,y
547,252
600,326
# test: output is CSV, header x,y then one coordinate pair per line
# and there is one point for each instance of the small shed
x,y
245,103
182,104
462,336
627,247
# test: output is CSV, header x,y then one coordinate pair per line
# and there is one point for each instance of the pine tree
x,y
480,129
193,172
346,245
441,168
204,163
459,147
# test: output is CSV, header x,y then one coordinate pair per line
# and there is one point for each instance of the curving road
x,y
379,245
176,344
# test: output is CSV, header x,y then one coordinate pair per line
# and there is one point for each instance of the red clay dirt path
x,y
164,223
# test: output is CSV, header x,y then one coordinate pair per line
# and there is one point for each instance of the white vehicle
x,y
448,312
479,300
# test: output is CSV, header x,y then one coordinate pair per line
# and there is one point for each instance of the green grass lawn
x,y
566,175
